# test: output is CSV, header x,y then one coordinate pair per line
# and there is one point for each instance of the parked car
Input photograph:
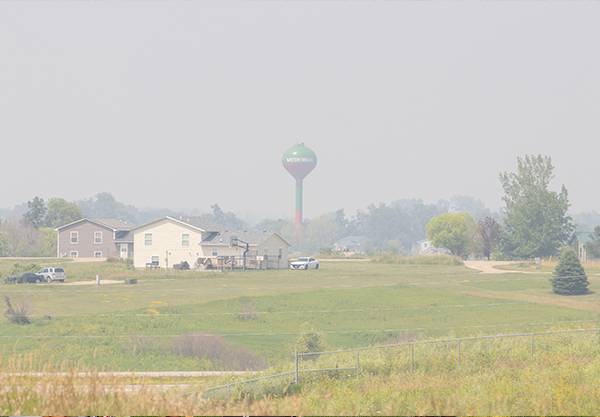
x,y
52,274
305,263
182,266
26,278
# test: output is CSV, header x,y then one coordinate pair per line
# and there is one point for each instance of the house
x,y
165,242
94,238
426,247
264,249
351,245
168,241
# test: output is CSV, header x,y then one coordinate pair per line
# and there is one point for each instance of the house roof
x,y
115,224
253,237
173,220
198,222
112,224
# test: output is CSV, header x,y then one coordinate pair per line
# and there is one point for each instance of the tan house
x,y
169,241
94,238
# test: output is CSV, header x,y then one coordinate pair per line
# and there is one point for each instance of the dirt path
x,y
489,267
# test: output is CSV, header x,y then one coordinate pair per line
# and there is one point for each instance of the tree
x,y
471,205
61,212
593,246
569,277
402,221
36,212
104,205
46,242
489,233
4,244
453,231
536,221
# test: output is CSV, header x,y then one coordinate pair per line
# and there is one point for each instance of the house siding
x,y
166,244
86,246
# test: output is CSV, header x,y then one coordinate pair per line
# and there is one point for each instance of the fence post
x,y
412,357
532,345
357,362
296,371
458,345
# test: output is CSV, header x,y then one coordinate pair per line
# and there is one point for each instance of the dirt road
x,y
489,267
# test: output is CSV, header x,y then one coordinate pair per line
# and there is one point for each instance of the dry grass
x,y
419,260
574,302
494,378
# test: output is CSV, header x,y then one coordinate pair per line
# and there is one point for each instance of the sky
x,y
184,104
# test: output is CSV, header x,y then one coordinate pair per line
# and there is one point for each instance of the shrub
x,y
18,314
131,281
569,276
218,351
310,342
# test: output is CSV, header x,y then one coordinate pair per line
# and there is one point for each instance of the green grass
x,y
131,327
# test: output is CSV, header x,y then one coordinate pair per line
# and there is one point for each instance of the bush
x,y
419,260
310,342
218,351
131,281
569,276
18,314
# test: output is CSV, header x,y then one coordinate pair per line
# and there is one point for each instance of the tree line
x,y
533,222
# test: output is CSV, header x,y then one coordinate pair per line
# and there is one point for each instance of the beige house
x,y
169,241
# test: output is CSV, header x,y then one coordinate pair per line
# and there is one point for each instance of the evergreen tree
x,y
569,276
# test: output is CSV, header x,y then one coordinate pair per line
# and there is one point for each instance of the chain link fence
x,y
421,356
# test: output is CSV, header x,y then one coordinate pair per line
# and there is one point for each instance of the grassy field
x,y
355,303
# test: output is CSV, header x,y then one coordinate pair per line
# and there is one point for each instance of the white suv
x,y
52,274
305,263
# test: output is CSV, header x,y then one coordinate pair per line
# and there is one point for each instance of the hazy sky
x,y
183,104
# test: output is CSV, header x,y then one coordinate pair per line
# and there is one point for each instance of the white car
x,y
52,275
305,263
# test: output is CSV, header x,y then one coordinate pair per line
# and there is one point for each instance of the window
x,y
98,254
148,239
155,260
74,238
74,254
185,240
97,238
215,253
59,270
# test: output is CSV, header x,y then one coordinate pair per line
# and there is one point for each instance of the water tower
x,y
299,161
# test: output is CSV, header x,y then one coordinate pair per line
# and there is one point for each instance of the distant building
x,y
94,238
351,245
426,247
168,241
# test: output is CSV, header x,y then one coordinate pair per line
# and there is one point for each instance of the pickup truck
x,y
52,274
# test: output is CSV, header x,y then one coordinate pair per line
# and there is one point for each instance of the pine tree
x,y
569,276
